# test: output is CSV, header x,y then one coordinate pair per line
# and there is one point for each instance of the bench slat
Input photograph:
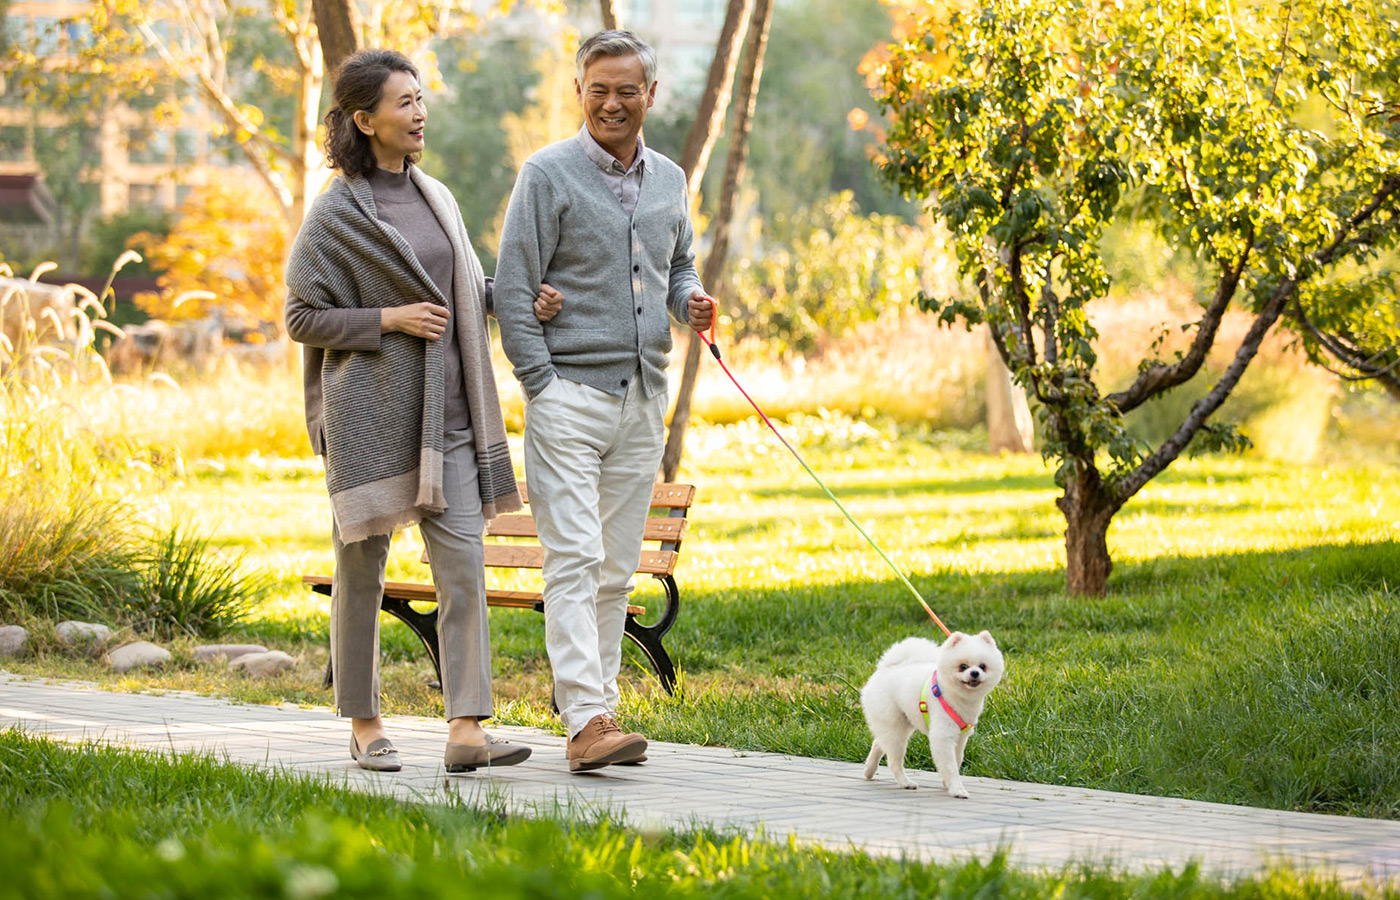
x,y
664,496
510,556
426,593
658,528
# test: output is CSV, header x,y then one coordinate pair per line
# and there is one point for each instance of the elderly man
x,y
605,220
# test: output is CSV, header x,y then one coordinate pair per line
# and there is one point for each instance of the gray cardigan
x,y
619,274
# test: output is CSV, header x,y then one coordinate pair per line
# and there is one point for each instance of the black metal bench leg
x,y
649,641
422,624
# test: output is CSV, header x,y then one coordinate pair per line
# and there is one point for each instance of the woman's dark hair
x,y
359,85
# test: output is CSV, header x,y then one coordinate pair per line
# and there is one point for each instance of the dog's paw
x,y
960,793
909,786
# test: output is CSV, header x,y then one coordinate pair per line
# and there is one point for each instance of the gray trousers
x,y
457,559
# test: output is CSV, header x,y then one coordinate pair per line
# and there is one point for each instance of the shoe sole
x,y
510,759
627,754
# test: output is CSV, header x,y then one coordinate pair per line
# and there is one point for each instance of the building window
x,y
637,12
187,146
14,143
701,12
143,196
148,145
44,32
691,62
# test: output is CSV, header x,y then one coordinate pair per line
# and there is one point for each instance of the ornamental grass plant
x,y
72,545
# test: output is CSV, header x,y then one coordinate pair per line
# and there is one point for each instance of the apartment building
x,y
118,148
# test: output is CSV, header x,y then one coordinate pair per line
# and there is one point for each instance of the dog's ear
x,y
987,636
953,639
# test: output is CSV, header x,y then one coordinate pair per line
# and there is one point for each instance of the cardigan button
x,y
636,268
624,382
639,310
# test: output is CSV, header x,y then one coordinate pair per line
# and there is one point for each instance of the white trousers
x,y
590,461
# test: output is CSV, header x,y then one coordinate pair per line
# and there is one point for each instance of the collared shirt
x,y
625,183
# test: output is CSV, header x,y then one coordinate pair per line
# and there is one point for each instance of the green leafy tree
x,y
1257,139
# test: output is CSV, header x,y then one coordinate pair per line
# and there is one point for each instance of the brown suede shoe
x,y
602,743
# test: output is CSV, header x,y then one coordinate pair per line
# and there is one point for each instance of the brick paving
x,y
820,801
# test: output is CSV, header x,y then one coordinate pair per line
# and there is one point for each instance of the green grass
x,y
86,821
1248,650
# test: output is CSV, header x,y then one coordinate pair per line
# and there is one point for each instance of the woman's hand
x,y
547,304
424,320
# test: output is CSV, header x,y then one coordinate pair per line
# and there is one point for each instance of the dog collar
x,y
926,704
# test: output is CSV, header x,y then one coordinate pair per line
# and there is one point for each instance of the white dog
x,y
938,690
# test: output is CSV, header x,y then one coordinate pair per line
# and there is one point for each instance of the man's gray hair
x,y
616,43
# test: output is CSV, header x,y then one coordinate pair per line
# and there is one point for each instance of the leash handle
x,y
714,320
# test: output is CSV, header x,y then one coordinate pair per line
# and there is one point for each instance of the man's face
x,y
615,100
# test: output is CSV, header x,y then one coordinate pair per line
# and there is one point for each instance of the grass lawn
x,y
1248,650
100,822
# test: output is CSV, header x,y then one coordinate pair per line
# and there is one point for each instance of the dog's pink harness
x,y
925,704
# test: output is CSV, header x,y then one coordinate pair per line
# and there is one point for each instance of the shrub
x,y
62,557
186,587
69,546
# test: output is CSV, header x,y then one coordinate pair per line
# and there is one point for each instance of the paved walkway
x,y
820,801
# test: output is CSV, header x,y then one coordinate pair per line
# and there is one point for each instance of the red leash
x,y
714,351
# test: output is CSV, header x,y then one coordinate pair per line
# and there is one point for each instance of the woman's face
x,y
395,126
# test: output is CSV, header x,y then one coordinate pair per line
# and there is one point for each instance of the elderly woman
x,y
389,300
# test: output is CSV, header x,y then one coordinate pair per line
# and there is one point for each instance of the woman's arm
x,y
333,329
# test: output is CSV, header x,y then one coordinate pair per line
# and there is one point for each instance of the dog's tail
x,y
909,650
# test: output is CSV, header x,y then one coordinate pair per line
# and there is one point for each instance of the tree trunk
x,y
1088,508
335,23
755,47
714,103
611,20
1010,426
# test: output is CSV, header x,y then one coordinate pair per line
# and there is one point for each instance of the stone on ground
x,y
73,632
264,665
227,652
138,655
13,639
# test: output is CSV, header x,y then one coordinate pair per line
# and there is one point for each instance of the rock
x,y
141,654
264,665
227,652
12,640
71,633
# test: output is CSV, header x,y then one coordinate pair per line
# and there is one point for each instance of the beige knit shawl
x,y
383,411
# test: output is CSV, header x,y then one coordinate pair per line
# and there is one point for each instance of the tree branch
x,y
1346,350
1283,293
1022,306
1158,377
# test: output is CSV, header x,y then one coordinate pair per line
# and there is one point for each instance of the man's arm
x,y
684,282
528,239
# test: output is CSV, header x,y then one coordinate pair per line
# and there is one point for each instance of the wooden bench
x,y
513,543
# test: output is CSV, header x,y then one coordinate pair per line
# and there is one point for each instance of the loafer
x,y
379,756
495,752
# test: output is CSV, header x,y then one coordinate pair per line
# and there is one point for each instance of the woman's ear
x,y
362,122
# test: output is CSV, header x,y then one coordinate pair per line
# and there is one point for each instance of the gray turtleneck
x,y
399,203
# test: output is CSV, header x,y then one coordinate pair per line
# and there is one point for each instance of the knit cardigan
x,y
378,416
620,274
